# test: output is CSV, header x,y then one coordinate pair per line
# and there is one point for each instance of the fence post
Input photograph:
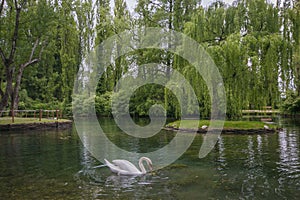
x,y
41,114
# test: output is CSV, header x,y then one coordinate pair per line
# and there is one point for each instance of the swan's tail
x,y
99,166
106,162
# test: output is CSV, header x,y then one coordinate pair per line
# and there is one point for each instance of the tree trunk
x,y
170,26
15,95
8,90
15,92
4,102
298,79
15,100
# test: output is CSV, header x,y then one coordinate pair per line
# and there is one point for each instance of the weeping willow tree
x,y
254,44
291,12
296,31
251,45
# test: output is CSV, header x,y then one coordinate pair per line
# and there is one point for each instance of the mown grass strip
x,y
7,120
244,125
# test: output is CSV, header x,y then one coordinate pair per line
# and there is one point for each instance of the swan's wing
x,y
114,168
126,166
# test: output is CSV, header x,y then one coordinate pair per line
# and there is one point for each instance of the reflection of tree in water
x,y
288,165
222,156
255,180
242,168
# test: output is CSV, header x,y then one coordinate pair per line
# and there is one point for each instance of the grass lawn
x,y
7,120
191,124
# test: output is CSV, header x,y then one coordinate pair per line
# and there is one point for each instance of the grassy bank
x,y
241,125
7,120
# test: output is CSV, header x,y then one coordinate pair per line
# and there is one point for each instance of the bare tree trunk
x,y
4,102
170,27
8,90
298,79
15,95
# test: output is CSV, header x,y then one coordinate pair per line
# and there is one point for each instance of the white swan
x,y
124,167
266,127
204,127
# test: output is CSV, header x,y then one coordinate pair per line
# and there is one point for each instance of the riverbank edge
x,y
37,126
226,131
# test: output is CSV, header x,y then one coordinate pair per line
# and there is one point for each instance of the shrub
x,y
291,103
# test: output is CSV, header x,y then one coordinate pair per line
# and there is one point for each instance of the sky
x,y
131,3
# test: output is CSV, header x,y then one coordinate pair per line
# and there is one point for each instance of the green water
x,y
55,165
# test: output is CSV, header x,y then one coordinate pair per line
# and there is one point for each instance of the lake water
x,y
55,165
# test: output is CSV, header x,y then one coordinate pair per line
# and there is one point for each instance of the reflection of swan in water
x,y
124,167
122,182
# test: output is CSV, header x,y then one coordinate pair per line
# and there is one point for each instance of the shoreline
x,y
226,131
65,124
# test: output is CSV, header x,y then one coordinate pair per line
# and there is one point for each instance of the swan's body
x,y
124,167
266,127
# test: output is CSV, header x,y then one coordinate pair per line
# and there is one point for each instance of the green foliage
x,y
25,101
144,98
48,84
103,104
254,44
83,105
121,104
291,103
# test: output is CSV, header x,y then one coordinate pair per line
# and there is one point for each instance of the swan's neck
x,y
142,166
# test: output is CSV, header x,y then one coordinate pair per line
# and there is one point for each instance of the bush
x,y
103,104
82,105
25,102
291,104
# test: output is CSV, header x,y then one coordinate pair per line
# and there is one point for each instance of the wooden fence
x,y
267,110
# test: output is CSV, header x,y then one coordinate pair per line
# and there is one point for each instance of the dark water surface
x,y
55,165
